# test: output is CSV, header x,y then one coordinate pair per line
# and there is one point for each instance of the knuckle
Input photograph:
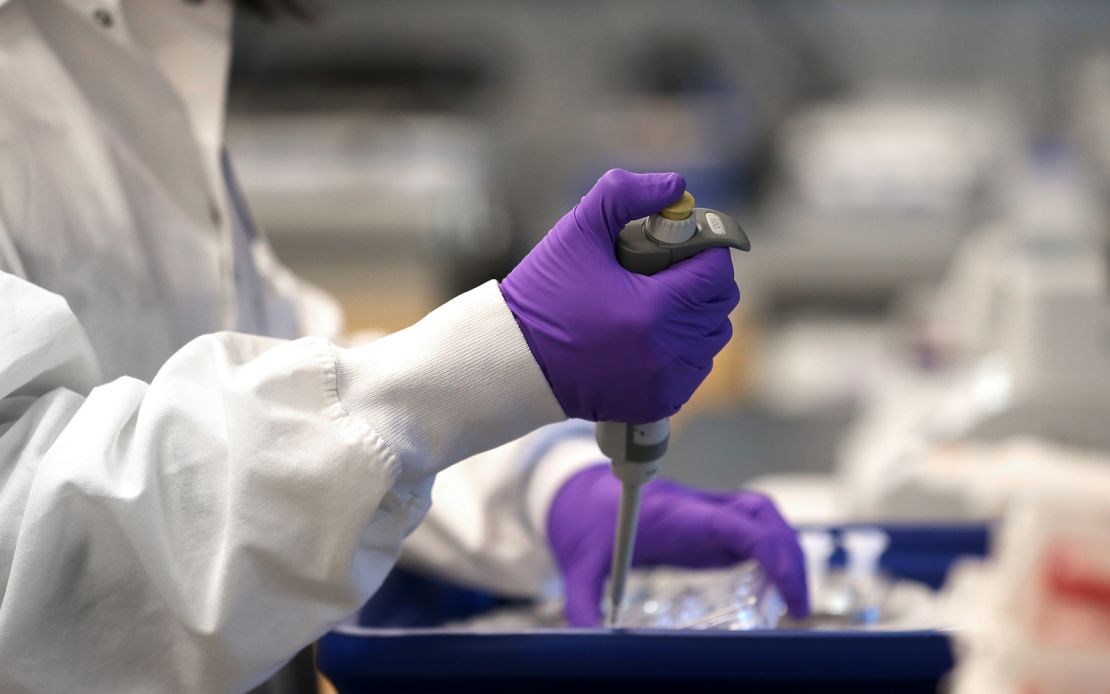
x,y
726,333
725,285
761,503
611,179
733,296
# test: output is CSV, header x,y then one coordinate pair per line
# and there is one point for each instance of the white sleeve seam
x,y
338,412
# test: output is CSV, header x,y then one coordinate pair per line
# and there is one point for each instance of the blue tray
x,y
402,659
436,661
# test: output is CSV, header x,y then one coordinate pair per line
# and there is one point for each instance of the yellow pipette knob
x,y
680,209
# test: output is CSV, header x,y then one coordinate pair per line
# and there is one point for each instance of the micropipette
x,y
646,246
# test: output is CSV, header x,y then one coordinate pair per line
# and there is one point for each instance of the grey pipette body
x,y
646,246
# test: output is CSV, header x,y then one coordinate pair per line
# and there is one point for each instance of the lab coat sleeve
x,y
487,527
192,533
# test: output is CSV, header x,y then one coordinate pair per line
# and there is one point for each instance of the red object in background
x,y
1072,572
1073,609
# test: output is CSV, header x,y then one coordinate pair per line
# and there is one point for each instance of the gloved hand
x,y
679,526
614,345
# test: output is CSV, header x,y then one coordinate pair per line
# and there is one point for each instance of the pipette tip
x,y
613,617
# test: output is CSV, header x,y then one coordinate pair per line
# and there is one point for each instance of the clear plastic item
x,y
856,594
864,547
736,599
817,546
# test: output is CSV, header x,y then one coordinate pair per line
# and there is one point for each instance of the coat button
x,y
103,18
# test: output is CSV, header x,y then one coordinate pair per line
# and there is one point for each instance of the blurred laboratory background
x,y
926,314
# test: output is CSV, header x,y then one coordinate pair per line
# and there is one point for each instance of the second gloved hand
x,y
614,345
679,526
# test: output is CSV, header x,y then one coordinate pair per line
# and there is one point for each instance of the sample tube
x,y
817,546
864,547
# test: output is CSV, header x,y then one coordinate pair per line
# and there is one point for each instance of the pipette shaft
x,y
625,543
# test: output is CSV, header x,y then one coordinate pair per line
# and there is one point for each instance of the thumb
x,y
583,587
620,196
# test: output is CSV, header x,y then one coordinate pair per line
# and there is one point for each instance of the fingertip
x,y
802,606
665,187
796,593
791,579
676,185
660,190
583,599
793,589
798,607
581,616
619,196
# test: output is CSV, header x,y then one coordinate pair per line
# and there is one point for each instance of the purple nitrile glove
x,y
614,345
679,526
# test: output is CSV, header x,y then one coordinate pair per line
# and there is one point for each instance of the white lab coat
x,y
183,507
